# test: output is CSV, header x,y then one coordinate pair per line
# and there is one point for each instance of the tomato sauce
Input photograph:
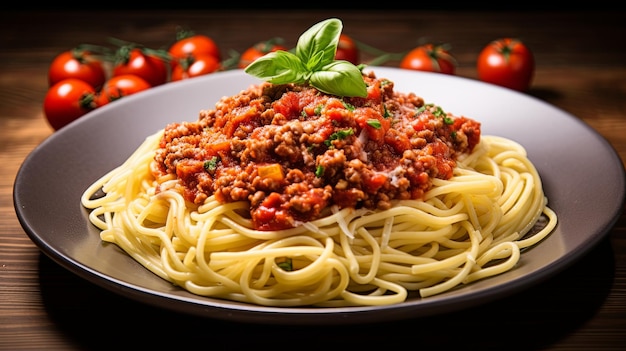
x,y
292,151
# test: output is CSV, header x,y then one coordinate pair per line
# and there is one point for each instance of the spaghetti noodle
x,y
467,226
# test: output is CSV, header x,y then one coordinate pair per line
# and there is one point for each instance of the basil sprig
x,y
313,63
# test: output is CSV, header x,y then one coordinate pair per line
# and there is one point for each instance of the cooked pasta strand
x,y
467,228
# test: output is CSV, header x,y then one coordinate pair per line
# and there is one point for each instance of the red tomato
x,y
150,67
119,86
194,67
193,45
258,50
506,62
347,50
77,64
431,58
67,100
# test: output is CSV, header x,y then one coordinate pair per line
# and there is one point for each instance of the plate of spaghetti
x,y
235,198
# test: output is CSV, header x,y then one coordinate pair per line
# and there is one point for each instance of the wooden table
x,y
581,68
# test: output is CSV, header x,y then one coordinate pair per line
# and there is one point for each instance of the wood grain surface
x,y
581,69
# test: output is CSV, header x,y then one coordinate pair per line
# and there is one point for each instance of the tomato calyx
x,y
125,48
184,33
232,61
186,62
505,48
268,46
82,54
439,52
86,52
88,101
149,64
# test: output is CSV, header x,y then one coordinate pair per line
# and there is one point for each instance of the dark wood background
x,y
581,68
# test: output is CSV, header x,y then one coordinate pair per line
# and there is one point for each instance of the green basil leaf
x,y
313,62
340,78
318,45
278,67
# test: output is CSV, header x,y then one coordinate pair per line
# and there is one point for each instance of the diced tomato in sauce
x,y
292,151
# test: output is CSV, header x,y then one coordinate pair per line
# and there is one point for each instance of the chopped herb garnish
x,y
319,171
286,265
211,164
439,112
318,109
348,106
386,113
339,135
374,123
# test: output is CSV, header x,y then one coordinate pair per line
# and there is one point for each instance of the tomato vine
x,y
192,54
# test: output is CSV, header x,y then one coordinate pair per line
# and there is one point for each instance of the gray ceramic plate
x,y
583,178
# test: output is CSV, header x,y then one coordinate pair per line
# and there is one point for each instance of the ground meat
x,y
292,151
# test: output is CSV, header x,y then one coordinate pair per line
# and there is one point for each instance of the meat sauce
x,y
293,152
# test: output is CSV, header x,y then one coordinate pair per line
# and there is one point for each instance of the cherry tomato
x,y
68,100
260,49
431,58
195,66
119,86
347,50
506,62
189,44
77,64
135,61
